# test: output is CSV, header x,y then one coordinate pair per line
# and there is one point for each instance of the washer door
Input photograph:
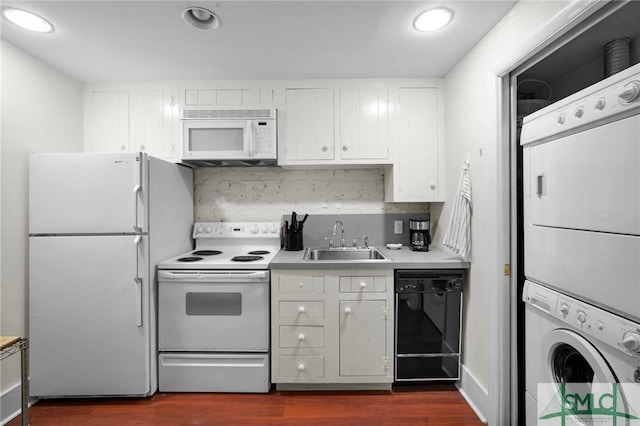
x,y
574,365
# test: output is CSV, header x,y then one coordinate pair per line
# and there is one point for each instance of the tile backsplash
x,y
266,193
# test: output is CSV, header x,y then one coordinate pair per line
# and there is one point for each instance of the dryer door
x,y
582,386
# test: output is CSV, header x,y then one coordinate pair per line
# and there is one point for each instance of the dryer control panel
x,y
615,331
611,98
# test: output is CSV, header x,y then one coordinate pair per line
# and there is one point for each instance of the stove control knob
x,y
265,229
630,93
208,229
255,229
631,341
579,112
561,119
581,317
274,228
564,309
601,104
200,229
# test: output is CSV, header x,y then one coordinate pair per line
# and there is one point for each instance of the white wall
x,y
472,126
41,112
266,193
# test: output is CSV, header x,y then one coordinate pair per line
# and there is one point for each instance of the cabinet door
x,y
154,123
107,121
363,338
309,124
364,124
416,169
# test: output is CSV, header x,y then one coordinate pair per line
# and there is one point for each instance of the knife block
x,y
293,240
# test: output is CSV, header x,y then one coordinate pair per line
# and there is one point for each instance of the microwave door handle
x,y
249,138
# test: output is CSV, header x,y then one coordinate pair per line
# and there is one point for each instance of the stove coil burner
x,y
190,259
246,258
259,252
207,252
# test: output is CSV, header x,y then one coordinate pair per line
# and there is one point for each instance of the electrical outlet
x,y
397,227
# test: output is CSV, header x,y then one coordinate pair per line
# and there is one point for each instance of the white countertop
x,y
404,258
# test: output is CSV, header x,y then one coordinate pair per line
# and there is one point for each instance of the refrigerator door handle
x,y
138,302
138,281
136,190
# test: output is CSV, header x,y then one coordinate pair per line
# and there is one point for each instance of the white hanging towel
x,y
458,235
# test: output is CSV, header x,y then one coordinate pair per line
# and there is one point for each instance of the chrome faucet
x,y
365,241
343,243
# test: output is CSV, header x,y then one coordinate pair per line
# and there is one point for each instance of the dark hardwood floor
x,y
439,405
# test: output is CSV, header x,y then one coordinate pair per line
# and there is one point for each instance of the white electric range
x,y
229,245
213,310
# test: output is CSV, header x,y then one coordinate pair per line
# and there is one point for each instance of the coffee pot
x,y
419,234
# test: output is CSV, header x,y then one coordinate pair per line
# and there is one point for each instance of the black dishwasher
x,y
428,319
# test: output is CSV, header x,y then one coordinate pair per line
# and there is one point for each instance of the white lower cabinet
x,y
363,338
332,327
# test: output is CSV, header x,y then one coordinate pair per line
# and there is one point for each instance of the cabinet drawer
x,y
301,366
363,284
300,284
301,336
301,309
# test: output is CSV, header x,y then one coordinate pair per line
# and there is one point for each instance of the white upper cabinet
x,y
397,124
344,124
417,174
310,131
130,118
364,124
106,121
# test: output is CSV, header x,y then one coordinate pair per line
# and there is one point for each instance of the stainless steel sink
x,y
344,254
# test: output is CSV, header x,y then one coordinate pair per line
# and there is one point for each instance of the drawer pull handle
x,y
363,284
301,310
301,337
347,311
300,367
301,284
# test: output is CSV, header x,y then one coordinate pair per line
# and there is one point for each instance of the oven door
x,y
225,311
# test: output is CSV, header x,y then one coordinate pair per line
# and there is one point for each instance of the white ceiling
x,y
148,40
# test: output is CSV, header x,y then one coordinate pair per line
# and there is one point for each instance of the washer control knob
x,y
601,104
581,317
579,112
631,341
631,92
564,309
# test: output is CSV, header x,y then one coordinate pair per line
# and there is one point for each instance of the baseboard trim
x,y
476,396
11,404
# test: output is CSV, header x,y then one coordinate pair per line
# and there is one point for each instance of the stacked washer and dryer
x,y
582,247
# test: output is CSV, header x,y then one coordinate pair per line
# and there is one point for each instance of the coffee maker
x,y
419,234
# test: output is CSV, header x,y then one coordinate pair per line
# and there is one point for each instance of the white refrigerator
x,y
98,225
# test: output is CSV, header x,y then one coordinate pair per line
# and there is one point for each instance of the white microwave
x,y
229,137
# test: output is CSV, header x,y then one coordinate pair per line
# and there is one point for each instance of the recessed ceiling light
x,y
433,19
201,18
27,20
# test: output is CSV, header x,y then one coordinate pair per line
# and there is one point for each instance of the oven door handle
x,y
214,276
